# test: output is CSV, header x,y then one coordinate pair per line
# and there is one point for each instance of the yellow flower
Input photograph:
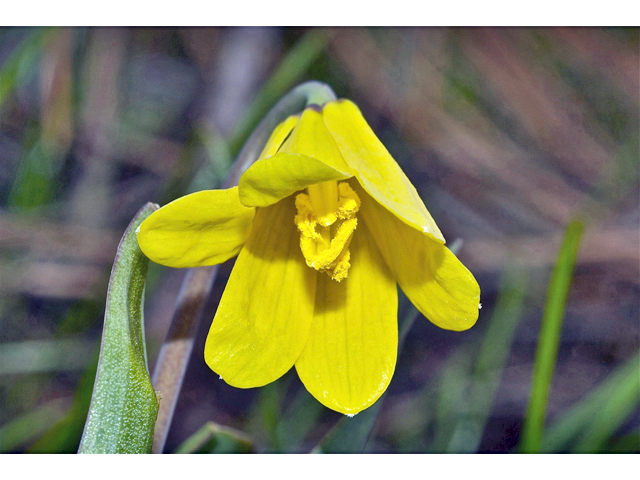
x,y
325,224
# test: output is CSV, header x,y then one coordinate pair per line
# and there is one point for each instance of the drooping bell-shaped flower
x,y
325,225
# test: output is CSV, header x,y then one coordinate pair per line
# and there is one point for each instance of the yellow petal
x,y
204,228
312,138
263,319
278,136
433,278
351,352
272,179
375,168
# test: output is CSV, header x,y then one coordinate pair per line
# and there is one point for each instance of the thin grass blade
x,y
549,341
64,436
29,426
22,61
607,420
588,424
490,363
214,438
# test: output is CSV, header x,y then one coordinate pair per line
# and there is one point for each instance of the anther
x,y
326,220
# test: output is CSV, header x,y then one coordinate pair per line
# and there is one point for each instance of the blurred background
x,y
508,135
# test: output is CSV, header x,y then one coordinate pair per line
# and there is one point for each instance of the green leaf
x,y
124,405
547,350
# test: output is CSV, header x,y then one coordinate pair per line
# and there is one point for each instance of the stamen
x,y
324,200
326,220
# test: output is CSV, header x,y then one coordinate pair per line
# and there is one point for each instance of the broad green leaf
x,y
124,405
547,350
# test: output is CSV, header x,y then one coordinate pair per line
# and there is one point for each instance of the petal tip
x,y
349,406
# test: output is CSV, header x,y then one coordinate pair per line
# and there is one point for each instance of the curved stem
x,y
175,352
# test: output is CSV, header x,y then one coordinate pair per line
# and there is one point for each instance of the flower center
x,y
326,219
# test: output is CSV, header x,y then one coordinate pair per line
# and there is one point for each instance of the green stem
x,y
318,93
174,354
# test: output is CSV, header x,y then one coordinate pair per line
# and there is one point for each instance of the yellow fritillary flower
x,y
325,224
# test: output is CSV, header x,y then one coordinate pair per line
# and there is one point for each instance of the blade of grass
x,y
549,341
298,421
453,389
34,182
265,415
608,419
572,425
214,438
29,426
22,61
175,352
124,405
350,435
628,444
490,363
44,356
64,436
